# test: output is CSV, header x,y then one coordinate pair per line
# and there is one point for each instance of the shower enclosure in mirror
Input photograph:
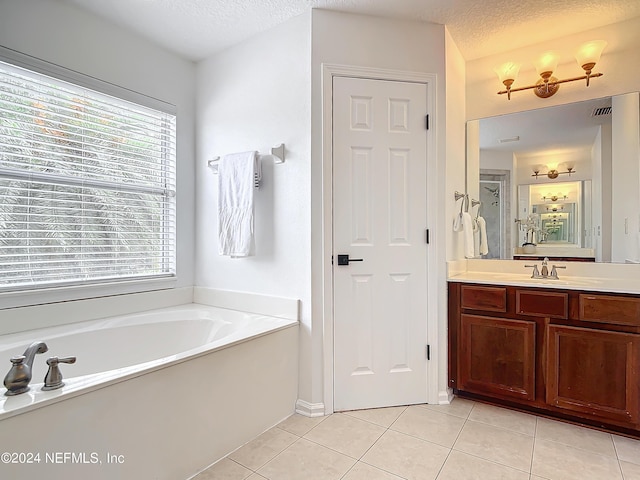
x,y
562,181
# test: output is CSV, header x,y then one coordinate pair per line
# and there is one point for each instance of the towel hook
x,y
465,201
475,202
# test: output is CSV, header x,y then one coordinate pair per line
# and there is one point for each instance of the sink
x,y
521,278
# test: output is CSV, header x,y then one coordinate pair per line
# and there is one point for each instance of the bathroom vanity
x,y
570,349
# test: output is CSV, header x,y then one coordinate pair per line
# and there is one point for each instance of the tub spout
x,y
18,378
30,352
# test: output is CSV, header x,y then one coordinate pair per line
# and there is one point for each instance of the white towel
x,y
484,244
476,237
236,175
467,232
457,223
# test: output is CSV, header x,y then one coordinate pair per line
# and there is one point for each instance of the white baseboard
x,y
310,409
445,397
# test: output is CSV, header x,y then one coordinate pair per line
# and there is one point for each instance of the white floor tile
x,y
630,471
362,471
504,418
628,449
299,424
380,416
459,407
463,466
263,448
429,425
496,444
556,461
576,436
225,469
406,456
345,434
309,461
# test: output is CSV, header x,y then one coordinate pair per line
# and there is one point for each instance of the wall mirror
x,y
559,181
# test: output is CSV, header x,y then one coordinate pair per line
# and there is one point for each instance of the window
x,y
87,185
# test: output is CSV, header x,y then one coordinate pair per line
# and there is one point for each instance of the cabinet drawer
x,y
493,299
610,309
542,304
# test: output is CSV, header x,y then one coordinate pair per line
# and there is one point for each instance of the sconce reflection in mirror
x,y
547,85
554,198
553,172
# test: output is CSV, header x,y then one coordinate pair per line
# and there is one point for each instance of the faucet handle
x,y
53,378
535,273
53,360
554,271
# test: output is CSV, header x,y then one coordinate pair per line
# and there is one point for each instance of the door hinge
x,y
427,121
426,235
428,352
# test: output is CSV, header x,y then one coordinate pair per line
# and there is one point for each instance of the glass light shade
x,y
507,71
590,52
547,63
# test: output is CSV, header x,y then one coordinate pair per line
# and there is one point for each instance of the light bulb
x,y
547,64
589,54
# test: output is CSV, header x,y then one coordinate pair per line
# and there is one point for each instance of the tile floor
x,y
462,441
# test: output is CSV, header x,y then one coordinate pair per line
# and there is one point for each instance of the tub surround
x,y
280,307
217,395
118,348
603,277
35,317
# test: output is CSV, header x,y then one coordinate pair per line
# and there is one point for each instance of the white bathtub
x,y
163,393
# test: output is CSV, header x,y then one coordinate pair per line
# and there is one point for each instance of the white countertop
x,y
615,278
552,251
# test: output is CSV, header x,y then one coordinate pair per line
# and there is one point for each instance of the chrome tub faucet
x,y
19,376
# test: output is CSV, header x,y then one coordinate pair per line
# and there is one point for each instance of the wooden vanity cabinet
x,y
593,372
565,353
497,356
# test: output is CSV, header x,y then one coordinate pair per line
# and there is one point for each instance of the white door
x,y
379,216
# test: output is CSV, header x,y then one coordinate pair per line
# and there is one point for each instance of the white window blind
x,y
87,185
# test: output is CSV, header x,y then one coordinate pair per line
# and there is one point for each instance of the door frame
x,y
329,71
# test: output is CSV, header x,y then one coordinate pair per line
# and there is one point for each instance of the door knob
x,y
344,259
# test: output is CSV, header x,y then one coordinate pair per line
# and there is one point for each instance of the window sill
x,y
42,296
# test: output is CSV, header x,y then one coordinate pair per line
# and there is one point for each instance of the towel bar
x,y
277,152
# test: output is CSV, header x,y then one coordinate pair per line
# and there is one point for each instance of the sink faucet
x,y
19,376
545,269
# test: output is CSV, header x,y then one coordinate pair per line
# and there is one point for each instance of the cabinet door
x,y
497,356
593,372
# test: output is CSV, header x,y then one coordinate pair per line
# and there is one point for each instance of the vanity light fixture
x,y
553,173
547,85
554,198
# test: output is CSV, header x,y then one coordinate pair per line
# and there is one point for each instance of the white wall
x,y
69,37
253,96
454,164
625,178
620,64
355,40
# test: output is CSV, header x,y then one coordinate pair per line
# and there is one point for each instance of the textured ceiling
x,y
197,29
